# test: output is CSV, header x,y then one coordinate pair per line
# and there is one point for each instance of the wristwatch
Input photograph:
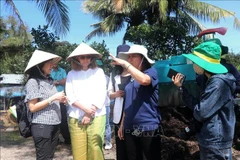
x,y
58,82
180,89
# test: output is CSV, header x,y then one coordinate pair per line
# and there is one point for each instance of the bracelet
x,y
128,66
49,101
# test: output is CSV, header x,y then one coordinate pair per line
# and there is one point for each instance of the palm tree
x,y
113,14
111,20
55,12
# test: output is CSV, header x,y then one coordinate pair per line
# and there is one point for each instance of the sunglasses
x,y
85,57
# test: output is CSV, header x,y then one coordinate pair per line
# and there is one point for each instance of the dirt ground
x,y
25,149
176,145
14,147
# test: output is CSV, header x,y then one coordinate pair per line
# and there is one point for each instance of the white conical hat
x,y
39,57
136,49
84,49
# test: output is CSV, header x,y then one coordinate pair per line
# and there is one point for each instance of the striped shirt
x,y
42,89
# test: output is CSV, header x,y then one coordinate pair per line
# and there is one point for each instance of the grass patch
x,y
11,138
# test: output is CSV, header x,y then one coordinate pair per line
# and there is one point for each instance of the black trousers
x,y
120,145
143,145
64,124
45,139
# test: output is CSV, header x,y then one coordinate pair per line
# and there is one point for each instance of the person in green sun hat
x,y
214,109
201,80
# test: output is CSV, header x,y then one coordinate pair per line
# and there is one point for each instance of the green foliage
x,y
64,49
13,34
234,59
54,11
102,49
162,41
113,15
44,39
16,63
48,41
15,47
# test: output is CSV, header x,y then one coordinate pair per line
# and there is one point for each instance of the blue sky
x,y
80,23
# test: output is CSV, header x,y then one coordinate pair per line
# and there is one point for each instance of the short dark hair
x,y
118,70
35,72
146,65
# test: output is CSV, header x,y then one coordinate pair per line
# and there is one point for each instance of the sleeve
x,y
110,85
99,91
210,101
69,89
32,90
107,80
152,73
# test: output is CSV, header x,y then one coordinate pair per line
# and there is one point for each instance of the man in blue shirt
x,y
59,75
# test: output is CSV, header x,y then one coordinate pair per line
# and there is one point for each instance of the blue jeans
x,y
108,130
215,154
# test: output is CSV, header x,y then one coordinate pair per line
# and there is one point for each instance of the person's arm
x,y
33,94
112,94
89,110
35,106
121,128
140,77
62,82
189,100
118,93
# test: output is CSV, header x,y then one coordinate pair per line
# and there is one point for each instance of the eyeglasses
x,y
85,57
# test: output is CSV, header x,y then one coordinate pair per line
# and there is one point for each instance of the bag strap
x,y
38,82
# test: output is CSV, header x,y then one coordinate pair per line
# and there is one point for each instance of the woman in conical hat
x,y
43,100
83,50
86,92
214,110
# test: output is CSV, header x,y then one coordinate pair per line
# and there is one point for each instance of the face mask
x,y
199,70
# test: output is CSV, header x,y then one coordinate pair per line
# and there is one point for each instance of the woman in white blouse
x,y
86,91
